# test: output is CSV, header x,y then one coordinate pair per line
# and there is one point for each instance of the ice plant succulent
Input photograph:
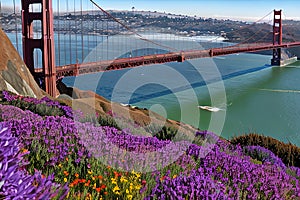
x,y
15,182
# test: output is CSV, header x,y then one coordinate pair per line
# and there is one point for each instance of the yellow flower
x,y
137,187
90,171
95,185
88,196
116,190
127,191
60,165
114,181
123,179
129,196
136,174
174,176
65,180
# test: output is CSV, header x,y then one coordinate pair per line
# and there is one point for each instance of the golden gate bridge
x,y
41,11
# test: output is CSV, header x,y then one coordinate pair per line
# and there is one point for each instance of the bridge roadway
x,y
121,63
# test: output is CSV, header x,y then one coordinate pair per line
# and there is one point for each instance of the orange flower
x,y
76,175
66,173
82,180
105,193
75,182
108,167
103,186
163,178
116,174
88,183
67,159
24,150
98,189
100,177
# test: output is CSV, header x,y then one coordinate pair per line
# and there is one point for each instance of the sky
x,y
247,10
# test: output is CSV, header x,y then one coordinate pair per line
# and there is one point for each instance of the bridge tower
x,y
46,79
277,37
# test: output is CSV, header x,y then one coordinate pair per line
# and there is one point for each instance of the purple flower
x,y
15,182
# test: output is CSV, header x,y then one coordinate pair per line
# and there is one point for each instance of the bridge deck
x,y
121,63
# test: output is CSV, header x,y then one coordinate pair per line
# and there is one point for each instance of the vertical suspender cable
x,y
82,49
102,33
65,38
70,39
0,14
76,29
16,26
95,34
88,29
58,33
107,38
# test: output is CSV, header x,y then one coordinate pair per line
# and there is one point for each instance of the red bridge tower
x,y
277,37
46,43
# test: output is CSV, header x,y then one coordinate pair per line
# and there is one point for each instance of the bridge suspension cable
x,y
244,27
288,29
131,30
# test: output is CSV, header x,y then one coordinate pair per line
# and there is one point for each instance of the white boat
x,y
209,108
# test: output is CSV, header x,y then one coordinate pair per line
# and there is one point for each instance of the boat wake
x,y
211,109
282,91
215,109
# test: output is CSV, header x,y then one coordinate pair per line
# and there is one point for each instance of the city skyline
x,y
220,9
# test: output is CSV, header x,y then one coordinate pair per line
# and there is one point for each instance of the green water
x,y
265,102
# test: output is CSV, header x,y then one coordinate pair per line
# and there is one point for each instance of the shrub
x,y
43,107
288,153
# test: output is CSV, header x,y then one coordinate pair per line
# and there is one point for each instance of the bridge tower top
x,y
47,79
277,37
277,27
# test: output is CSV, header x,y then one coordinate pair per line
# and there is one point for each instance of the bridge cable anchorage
x,y
131,30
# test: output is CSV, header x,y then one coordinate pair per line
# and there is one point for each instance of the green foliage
x,y
41,109
289,154
166,133
162,133
107,120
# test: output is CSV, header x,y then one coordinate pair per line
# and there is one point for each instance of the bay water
x,y
250,95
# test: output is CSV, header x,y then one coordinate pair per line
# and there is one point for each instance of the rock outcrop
x,y
14,75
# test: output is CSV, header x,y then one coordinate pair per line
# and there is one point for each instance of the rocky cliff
x,y
14,75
